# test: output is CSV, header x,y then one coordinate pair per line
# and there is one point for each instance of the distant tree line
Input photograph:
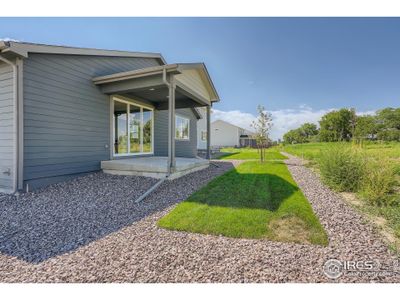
x,y
345,125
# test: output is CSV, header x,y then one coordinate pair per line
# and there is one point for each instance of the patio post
x,y
171,125
208,154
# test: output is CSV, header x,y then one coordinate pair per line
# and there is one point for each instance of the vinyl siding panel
x,y
6,127
182,148
66,117
192,79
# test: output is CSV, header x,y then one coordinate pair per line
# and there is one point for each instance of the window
x,y
204,135
133,128
181,128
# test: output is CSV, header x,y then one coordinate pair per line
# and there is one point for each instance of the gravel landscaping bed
x,y
118,241
62,217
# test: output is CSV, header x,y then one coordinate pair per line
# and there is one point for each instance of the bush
x,y
379,180
342,167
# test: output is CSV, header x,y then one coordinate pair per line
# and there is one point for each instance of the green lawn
x,y
254,200
311,151
249,153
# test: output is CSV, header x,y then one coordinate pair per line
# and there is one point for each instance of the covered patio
x,y
159,88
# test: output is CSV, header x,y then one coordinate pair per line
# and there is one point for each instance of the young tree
x,y
262,126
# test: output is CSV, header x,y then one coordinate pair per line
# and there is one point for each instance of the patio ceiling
x,y
194,87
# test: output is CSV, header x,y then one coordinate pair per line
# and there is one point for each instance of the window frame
x,y
141,106
186,119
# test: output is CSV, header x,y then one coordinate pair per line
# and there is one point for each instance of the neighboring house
x,y
224,134
202,129
66,111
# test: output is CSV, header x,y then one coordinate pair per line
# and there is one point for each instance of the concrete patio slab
x,y
153,166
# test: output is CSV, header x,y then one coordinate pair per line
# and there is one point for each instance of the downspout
x,y
159,182
15,104
165,81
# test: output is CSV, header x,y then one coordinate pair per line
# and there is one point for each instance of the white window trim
x,y
185,118
141,106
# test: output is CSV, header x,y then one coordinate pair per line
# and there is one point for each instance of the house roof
x,y
23,49
179,69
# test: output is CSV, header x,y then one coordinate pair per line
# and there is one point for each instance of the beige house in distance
x,y
224,134
202,129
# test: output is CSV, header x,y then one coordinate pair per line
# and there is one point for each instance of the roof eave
x,y
24,49
173,68
157,70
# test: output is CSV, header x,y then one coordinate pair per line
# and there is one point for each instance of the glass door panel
x,y
120,128
135,129
147,130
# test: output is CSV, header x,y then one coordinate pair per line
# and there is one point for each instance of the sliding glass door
x,y
133,128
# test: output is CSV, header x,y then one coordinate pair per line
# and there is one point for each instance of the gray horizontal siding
x,y
182,148
6,127
66,117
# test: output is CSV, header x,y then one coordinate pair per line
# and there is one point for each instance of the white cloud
x,y
365,113
283,120
235,117
7,39
287,119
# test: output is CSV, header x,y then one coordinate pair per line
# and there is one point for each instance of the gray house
x,y
68,111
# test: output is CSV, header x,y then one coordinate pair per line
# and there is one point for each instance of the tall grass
x,y
342,167
346,168
378,182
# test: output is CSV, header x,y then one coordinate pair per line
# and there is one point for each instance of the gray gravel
x,y
65,216
134,249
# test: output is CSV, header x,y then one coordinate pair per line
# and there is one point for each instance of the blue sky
x,y
298,68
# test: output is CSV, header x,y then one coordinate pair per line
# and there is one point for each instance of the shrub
x,y
342,167
379,180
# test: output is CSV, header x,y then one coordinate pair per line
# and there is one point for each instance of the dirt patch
x,y
386,231
352,199
290,229
380,223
